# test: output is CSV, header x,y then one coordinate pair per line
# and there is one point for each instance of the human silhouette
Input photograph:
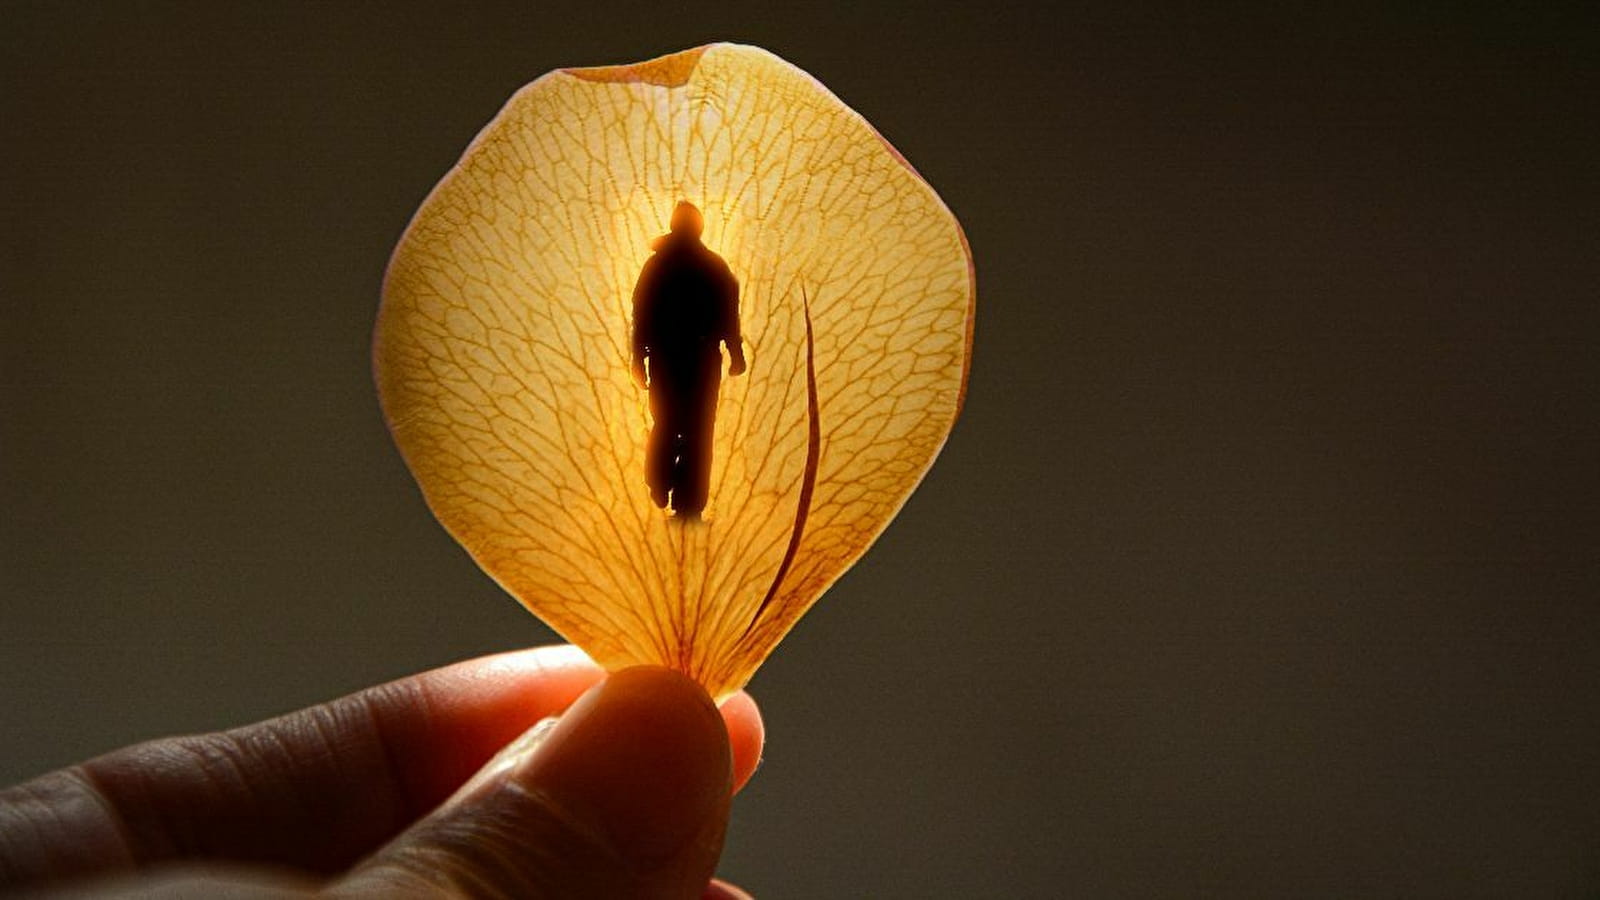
x,y
685,306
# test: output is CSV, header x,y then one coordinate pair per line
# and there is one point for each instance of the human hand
x,y
627,795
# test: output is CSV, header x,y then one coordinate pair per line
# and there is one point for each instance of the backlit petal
x,y
502,351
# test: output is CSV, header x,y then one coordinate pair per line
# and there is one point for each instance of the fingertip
x,y
644,756
747,736
721,890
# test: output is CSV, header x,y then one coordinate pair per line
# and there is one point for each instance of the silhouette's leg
x,y
696,484
656,465
659,452
682,488
675,410
690,497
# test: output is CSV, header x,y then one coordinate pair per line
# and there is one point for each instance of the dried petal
x,y
502,351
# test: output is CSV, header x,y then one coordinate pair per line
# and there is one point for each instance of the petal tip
x,y
670,71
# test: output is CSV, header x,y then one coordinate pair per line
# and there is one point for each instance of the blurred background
x,y
1262,562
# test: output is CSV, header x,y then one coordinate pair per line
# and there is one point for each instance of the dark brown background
x,y
1263,561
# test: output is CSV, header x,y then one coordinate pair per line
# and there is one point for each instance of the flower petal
x,y
502,351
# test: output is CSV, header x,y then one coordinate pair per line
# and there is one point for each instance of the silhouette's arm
x,y
732,336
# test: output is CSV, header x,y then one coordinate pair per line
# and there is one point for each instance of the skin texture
x,y
374,794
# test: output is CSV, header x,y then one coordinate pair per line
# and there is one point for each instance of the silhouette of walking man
x,y
685,306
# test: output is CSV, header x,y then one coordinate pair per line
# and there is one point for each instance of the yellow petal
x,y
502,351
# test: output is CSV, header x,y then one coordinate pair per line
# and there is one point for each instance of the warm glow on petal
x,y
503,351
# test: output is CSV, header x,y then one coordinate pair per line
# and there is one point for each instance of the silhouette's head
x,y
686,220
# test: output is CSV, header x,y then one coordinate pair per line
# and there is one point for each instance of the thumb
x,y
625,796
